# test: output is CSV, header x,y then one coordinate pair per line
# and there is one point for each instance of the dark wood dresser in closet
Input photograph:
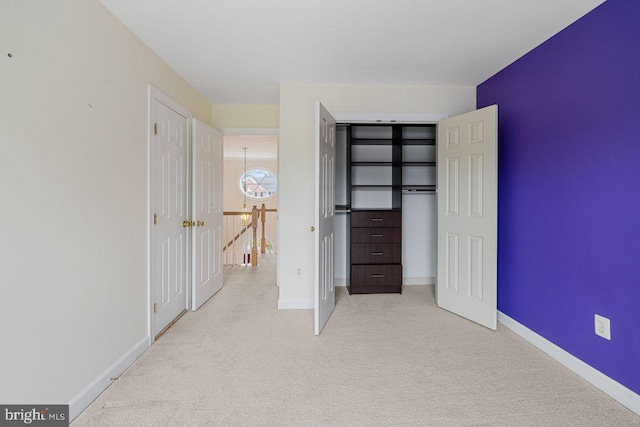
x,y
376,251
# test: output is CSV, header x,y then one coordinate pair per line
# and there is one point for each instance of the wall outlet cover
x,y
603,327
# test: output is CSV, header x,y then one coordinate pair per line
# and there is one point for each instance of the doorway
x,y
251,178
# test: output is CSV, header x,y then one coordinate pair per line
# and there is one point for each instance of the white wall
x,y
245,116
419,238
296,160
73,170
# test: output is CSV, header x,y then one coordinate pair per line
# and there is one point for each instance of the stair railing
x,y
234,230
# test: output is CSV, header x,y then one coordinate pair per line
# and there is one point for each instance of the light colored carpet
x,y
382,360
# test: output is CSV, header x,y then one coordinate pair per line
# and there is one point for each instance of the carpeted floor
x,y
382,360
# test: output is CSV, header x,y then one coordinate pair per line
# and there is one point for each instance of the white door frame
x,y
356,117
155,94
259,132
394,118
391,118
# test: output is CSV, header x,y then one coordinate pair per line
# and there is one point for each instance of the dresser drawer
x,y
376,253
376,235
376,219
376,278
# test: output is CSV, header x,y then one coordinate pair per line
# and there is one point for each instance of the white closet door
x,y
207,208
325,293
467,215
170,187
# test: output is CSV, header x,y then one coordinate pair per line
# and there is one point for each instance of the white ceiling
x,y
239,51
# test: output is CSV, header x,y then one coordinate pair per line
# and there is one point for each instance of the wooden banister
x,y
263,240
254,215
236,237
228,213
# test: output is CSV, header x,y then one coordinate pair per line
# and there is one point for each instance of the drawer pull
x,y
377,276
377,235
377,219
377,253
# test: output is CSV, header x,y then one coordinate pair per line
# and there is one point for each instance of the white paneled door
x,y
169,200
325,294
467,215
207,208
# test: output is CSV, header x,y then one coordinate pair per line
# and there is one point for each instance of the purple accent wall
x,y
569,188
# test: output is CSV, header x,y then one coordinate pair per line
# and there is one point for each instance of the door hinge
x,y
155,308
155,218
155,128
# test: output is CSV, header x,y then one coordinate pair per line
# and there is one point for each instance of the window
x,y
258,183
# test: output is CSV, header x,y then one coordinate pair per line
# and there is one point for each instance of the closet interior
x,y
385,232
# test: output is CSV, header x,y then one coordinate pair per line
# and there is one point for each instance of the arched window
x,y
258,183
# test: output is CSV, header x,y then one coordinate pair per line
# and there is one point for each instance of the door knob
x,y
186,223
313,228
200,223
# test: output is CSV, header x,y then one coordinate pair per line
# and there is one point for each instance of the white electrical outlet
x,y
298,272
603,327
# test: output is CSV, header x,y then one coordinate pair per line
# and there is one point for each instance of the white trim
x,y
611,387
418,281
340,281
302,304
250,131
80,401
150,91
156,94
358,117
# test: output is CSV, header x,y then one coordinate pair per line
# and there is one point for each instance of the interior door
x,y
467,215
207,208
169,189
325,294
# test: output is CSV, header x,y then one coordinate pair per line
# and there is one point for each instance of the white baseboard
x,y
613,388
340,281
302,304
83,399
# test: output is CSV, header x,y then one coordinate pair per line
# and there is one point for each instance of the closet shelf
x,y
374,186
372,163
371,141
418,142
418,188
